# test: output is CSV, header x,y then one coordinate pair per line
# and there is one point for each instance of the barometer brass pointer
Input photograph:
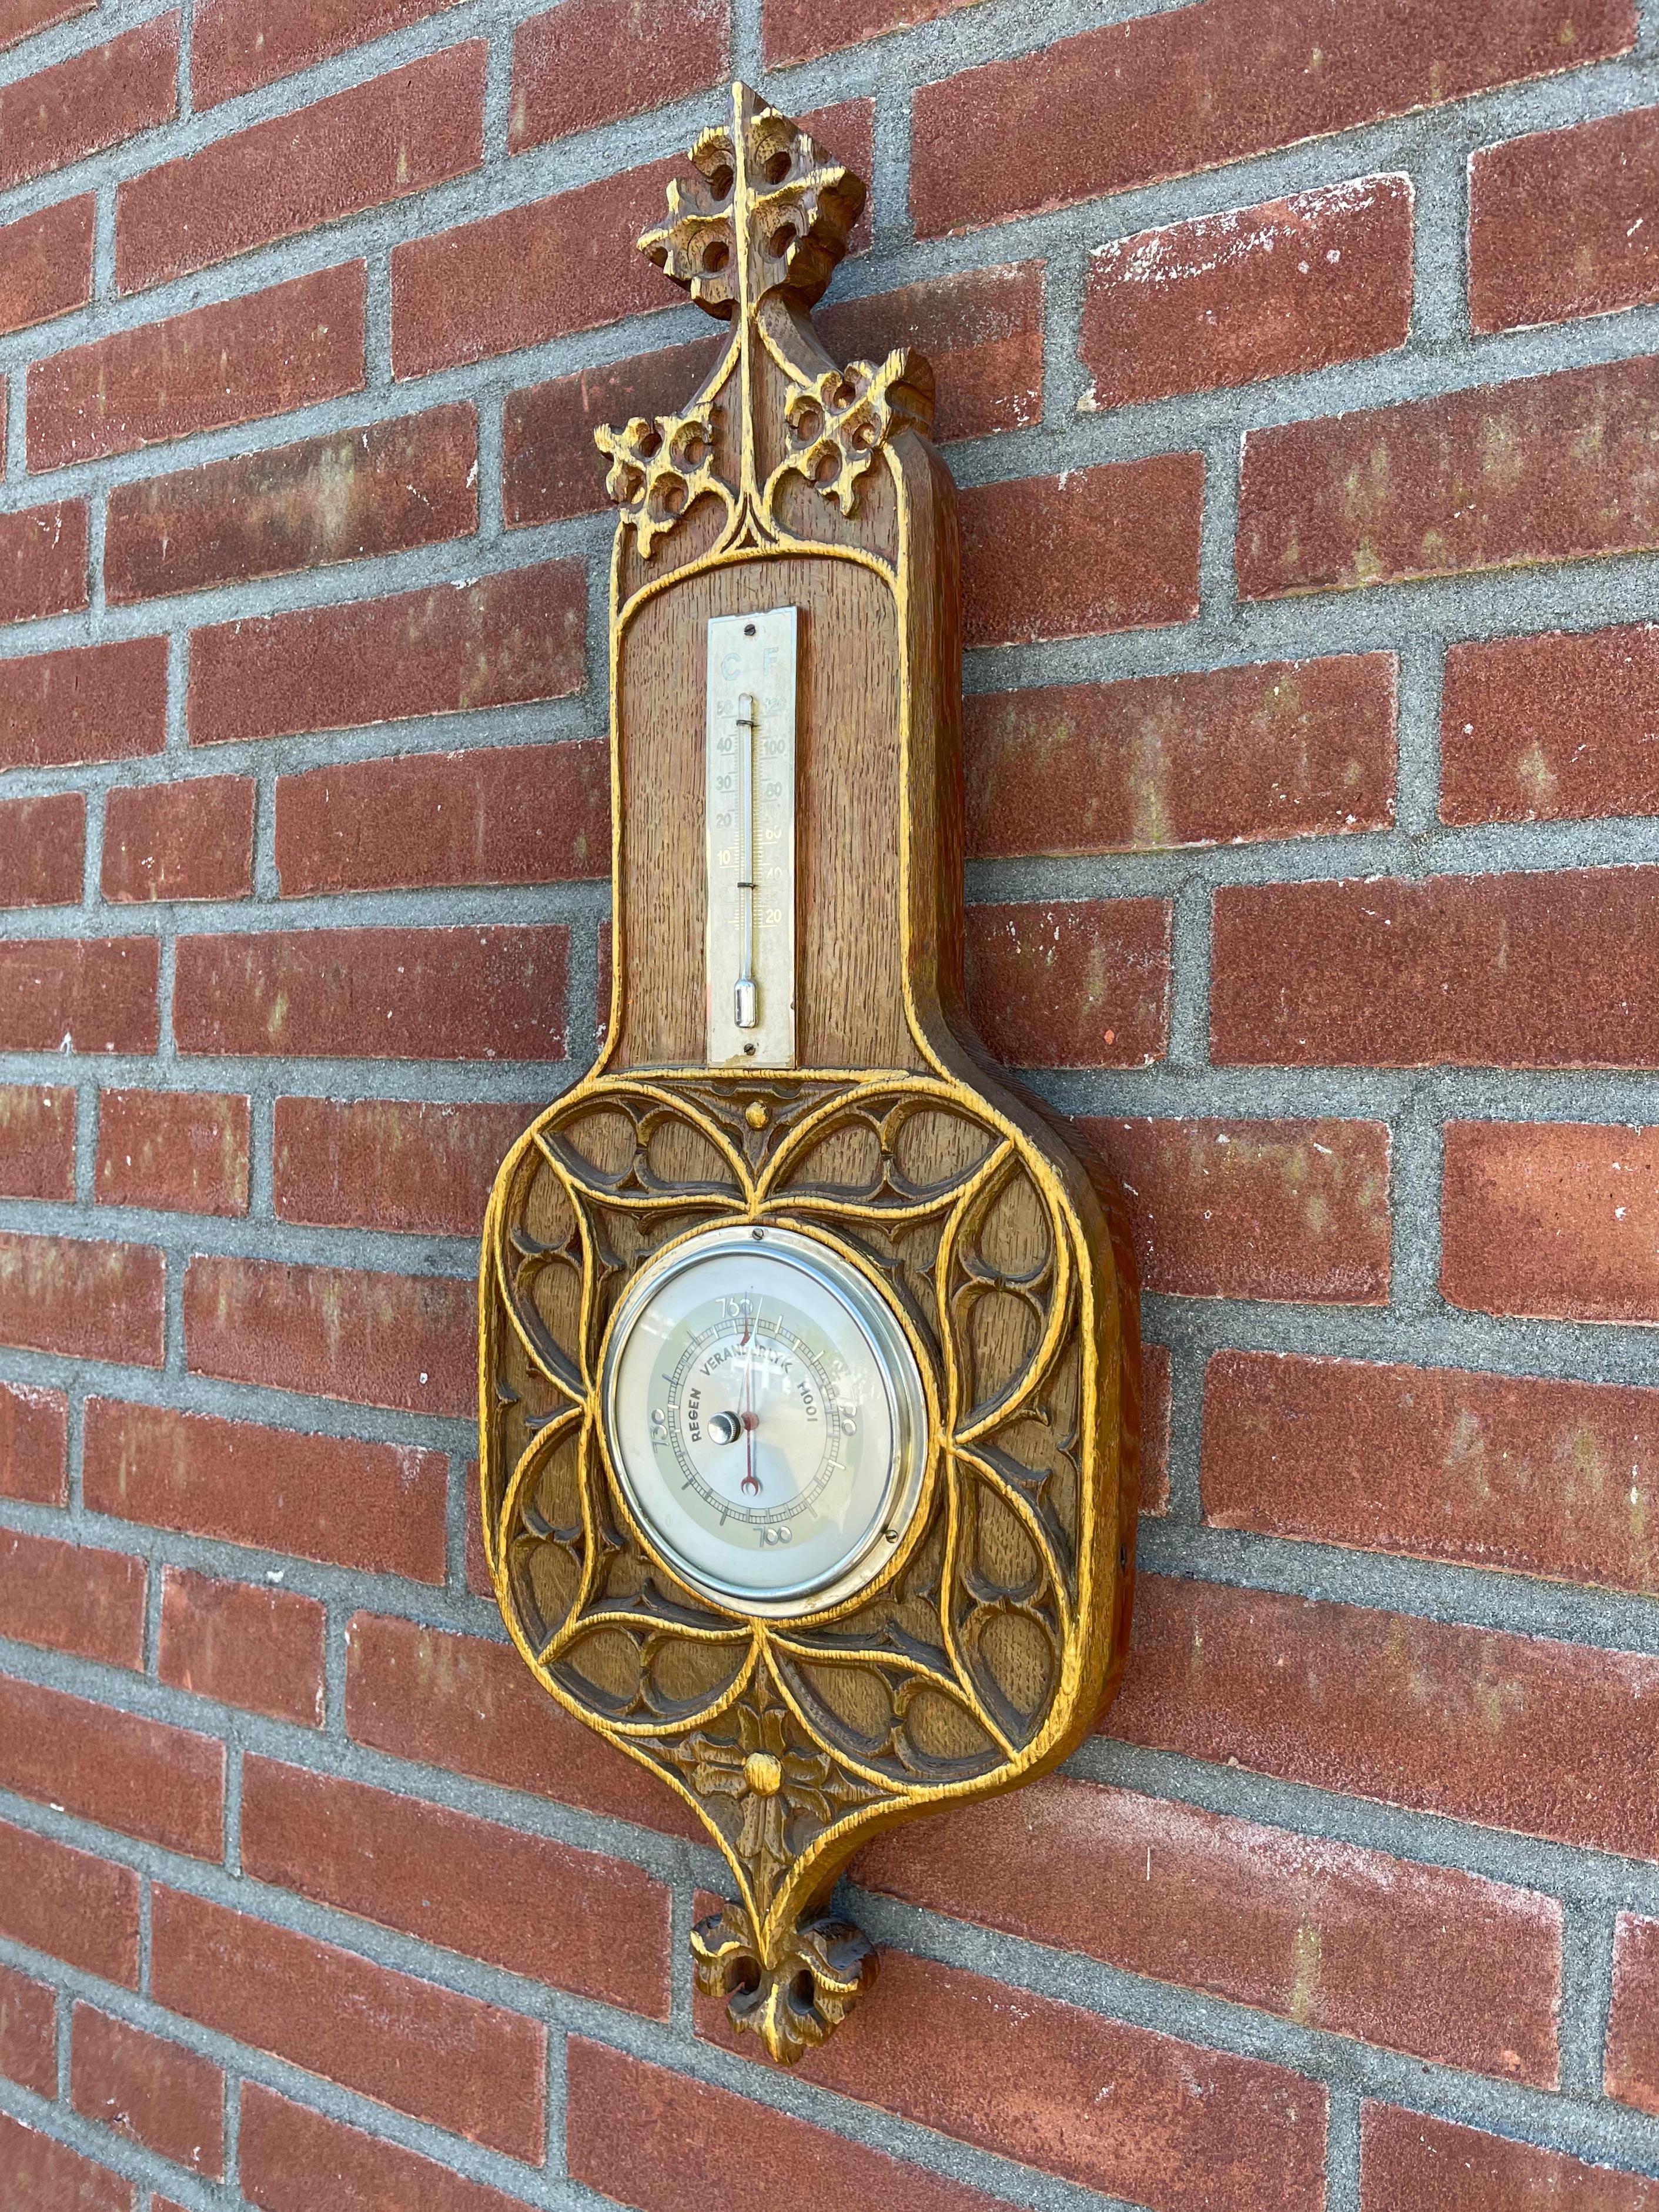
x,y
808,1355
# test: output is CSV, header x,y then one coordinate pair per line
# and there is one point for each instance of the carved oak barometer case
x,y
808,1349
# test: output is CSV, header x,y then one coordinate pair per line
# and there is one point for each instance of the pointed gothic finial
x,y
755,238
771,212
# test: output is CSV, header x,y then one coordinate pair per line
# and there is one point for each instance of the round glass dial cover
x,y
766,1417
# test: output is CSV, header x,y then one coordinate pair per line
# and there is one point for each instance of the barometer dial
x,y
766,1417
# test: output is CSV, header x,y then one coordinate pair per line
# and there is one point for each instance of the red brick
x,y
403,1341
245,1644
1551,1740
67,994
147,2090
1022,2076
1290,285
237,45
1460,971
142,1777
37,1141
46,263
1552,728
798,31
390,1162
589,62
82,1299
981,331
1557,1219
1082,985
522,814
458,1702
1280,748
551,470
39,2174
193,840
65,1902
381,993
33,1445
28,2032
559,265
1255,1209
1164,95
69,1597
462,2064
381,141
1105,549
377,1508
528,274
1411,2164
88,702
1631,2071
1533,1476
1560,223
345,497
92,101
21,19
43,850
1423,1960
293,2159
1554,468
43,561
645,2136
449,650
1155,1418
237,361
185,1151
538,1908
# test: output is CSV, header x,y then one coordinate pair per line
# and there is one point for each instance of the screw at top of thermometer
x,y
745,1010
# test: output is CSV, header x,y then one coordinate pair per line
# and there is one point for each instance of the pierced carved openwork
x,y
790,1737
978,1650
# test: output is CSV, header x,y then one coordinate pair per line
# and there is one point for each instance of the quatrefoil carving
x,y
659,468
841,422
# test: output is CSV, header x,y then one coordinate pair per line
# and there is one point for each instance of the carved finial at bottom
x,y
799,2000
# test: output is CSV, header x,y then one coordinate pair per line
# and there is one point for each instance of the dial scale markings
x,y
766,1417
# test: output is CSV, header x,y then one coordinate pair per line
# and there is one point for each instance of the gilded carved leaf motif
x,y
660,468
839,422
773,217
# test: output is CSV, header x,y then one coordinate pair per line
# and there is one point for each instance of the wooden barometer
x,y
808,1350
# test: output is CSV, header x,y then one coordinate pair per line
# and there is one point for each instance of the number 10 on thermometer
x,y
749,807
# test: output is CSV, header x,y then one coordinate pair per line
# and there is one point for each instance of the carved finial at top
x,y
771,213
754,238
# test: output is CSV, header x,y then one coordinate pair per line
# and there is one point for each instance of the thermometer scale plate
x,y
748,812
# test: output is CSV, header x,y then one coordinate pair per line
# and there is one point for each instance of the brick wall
x,y
1298,367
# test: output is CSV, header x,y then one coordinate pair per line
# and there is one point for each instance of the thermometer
x,y
749,810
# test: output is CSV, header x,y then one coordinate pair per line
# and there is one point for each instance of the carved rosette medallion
x,y
982,1650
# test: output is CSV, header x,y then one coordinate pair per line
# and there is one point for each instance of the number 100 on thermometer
x,y
748,806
